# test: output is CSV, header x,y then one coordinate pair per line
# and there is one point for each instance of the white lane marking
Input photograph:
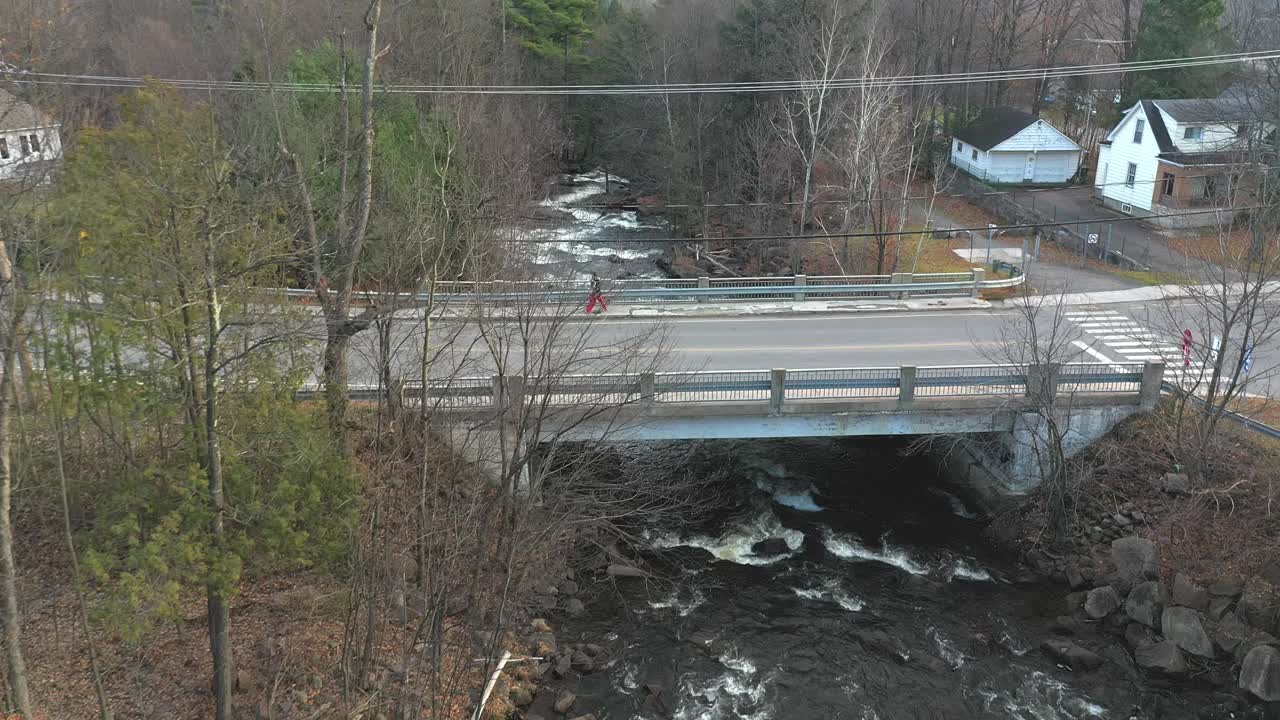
x,y
1131,336
1127,343
1092,353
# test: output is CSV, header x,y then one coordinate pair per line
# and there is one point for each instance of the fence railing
x,y
697,290
777,387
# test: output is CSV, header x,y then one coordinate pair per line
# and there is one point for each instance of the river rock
x,y
1230,633
1145,603
1175,483
1071,655
582,662
1188,594
1253,640
624,571
1164,657
1260,673
567,587
1136,635
565,701
1228,588
1135,559
1260,604
1101,602
539,626
1182,627
1075,578
521,697
771,546
574,607
1219,607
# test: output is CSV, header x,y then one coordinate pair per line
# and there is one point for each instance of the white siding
x,y
1040,136
963,159
50,149
1007,167
1122,152
1056,166
1215,138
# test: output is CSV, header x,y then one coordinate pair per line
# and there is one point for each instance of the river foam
x,y
735,544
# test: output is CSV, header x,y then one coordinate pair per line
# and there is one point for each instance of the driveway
x,y
1138,240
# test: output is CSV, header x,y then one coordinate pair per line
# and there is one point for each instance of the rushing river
x,y
577,236
879,601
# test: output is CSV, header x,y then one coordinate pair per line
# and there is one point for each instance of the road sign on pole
x,y
1186,348
1093,238
1248,360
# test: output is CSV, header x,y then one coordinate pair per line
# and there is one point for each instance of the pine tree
x,y
1177,29
555,29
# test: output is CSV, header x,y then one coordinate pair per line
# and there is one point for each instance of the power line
x,y
1041,73
956,196
879,234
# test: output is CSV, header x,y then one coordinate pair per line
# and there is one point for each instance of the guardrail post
x,y
906,384
902,279
648,386
979,275
1152,379
777,389
801,281
703,284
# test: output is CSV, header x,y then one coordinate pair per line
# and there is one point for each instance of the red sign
x,y
1186,348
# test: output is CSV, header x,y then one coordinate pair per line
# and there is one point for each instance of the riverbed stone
x,y
1231,631
574,607
1101,602
1252,640
1163,657
1135,559
1071,655
1226,587
1136,635
1219,607
1146,602
1260,673
1175,483
1182,626
565,701
1260,604
1188,594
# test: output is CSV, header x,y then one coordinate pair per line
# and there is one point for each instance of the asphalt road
x,y
832,340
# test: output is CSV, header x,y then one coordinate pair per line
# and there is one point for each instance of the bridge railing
x,y
780,386
695,290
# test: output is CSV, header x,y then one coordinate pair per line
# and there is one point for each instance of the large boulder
x,y
1137,635
1145,603
1231,631
1071,655
1101,602
1135,559
1260,673
1182,627
1260,604
1163,657
1255,638
1174,483
1188,594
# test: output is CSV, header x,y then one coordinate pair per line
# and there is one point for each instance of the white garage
x,y
1011,146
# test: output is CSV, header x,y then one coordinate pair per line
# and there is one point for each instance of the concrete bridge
x,y
993,415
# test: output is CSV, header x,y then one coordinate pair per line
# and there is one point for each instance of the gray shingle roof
x,y
1158,130
18,115
1205,110
994,126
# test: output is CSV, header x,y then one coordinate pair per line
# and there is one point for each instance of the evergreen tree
x,y
555,29
1177,29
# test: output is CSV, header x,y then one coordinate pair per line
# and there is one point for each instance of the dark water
x,y
886,605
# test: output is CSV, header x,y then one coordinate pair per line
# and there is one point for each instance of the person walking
x,y
597,296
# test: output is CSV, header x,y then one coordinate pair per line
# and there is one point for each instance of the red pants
x,y
597,298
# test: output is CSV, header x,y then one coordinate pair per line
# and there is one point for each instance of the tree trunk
x,y
337,385
19,694
219,611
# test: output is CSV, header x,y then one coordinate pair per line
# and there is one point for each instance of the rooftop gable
x,y
16,114
994,126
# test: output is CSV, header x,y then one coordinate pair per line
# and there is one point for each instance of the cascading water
x,y
873,597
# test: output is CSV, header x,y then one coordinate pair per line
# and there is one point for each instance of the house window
x,y
1193,133
4,148
1132,177
1137,131
35,143
26,145
1166,186
959,146
975,153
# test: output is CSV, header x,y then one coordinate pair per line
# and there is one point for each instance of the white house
x,y
29,141
1178,160
1007,145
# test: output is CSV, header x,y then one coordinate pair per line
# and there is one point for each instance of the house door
x,y
1030,172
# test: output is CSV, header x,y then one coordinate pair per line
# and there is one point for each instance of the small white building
x,y
30,142
1011,146
1179,161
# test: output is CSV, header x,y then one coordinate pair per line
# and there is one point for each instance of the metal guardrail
x,y
795,288
1244,421
779,386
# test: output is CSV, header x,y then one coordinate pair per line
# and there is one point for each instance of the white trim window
x,y
26,145
1131,178
1193,132
4,148
1138,129
975,153
959,147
